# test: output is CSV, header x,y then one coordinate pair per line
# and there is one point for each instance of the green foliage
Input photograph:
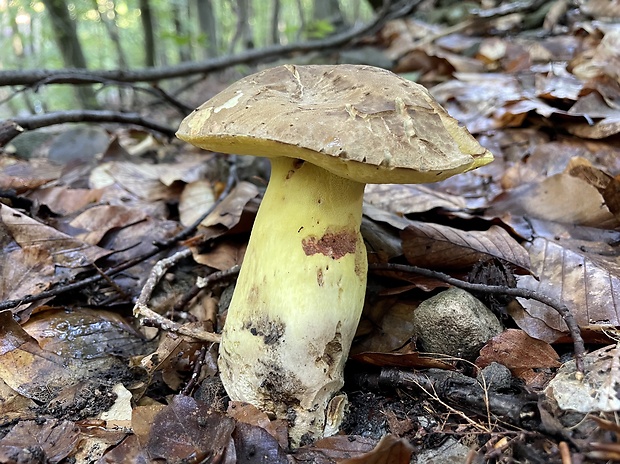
x,y
319,29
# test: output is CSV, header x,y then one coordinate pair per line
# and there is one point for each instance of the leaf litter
x,y
547,209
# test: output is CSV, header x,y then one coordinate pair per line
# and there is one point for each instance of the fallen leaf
x,y
255,445
196,198
437,246
390,450
588,283
517,350
597,391
186,429
409,199
99,220
53,440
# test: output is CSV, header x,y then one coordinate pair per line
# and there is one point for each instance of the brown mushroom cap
x,y
360,122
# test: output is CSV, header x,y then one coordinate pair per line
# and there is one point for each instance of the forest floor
x,y
87,212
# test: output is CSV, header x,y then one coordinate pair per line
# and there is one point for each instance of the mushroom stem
x,y
299,297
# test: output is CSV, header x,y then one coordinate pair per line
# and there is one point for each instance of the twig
x,y
9,129
562,309
200,361
148,317
157,248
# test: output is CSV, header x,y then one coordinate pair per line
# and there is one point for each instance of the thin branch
x,y
81,76
11,128
562,309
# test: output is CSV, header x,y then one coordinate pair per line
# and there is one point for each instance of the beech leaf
x,y
438,246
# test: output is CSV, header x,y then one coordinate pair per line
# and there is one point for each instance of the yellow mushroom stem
x,y
299,297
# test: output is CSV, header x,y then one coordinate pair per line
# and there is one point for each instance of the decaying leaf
x,y
187,429
587,283
32,441
597,391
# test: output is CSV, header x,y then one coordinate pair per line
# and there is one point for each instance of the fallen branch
x,y
528,294
452,387
11,128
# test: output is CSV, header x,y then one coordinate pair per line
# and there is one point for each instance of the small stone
x,y
495,377
454,323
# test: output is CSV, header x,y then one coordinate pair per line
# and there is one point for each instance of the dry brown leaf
x,y
412,360
604,60
392,326
599,130
142,418
64,200
187,430
334,448
588,283
517,350
129,451
196,198
247,413
65,251
56,440
390,450
224,255
559,198
409,199
22,176
99,220
148,181
437,246
228,212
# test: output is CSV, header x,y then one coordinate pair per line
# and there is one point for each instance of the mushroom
x,y
328,130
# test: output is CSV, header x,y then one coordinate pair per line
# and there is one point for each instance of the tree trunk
x,y
112,30
65,33
243,32
275,22
148,26
179,18
328,10
208,27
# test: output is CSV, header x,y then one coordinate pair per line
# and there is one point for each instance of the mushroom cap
x,y
360,122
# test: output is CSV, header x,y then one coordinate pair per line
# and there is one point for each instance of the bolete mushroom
x,y
328,130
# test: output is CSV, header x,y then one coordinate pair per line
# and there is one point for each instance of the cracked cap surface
x,y
359,122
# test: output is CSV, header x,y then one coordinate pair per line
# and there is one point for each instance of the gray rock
x,y
455,323
495,377
450,452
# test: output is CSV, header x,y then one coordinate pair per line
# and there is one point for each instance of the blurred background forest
x,y
130,34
